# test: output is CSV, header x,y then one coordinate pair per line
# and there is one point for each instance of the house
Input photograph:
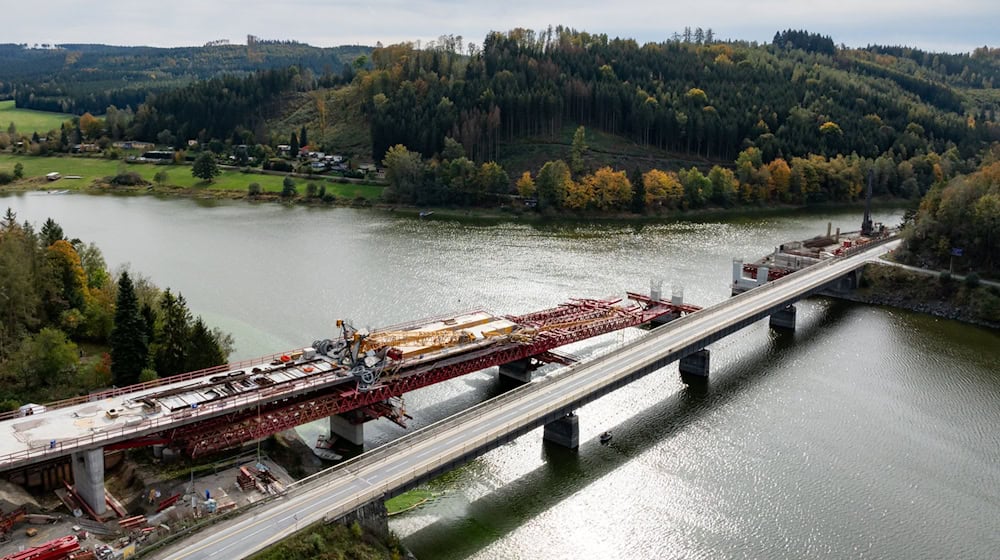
x,y
85,148
284,149
129,145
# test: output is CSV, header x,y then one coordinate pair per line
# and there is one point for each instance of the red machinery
x,y
52,550
539,333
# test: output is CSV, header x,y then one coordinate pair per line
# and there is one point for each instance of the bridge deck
x,y
416,457
214,399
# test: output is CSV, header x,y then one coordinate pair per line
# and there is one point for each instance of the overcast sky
x,y
954,26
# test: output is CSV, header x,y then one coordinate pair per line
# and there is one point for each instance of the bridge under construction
x,y
353,377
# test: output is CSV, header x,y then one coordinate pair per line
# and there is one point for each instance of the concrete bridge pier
x,y
564,431
88,478
845,284
348,426
518,371
694,367
783,319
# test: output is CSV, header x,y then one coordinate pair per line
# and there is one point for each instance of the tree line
x,y
452,179
958,223
69,326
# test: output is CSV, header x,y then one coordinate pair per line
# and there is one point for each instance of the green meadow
x,y
91,169
28,121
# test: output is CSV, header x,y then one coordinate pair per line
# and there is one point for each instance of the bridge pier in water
x,y
518,371
348,426
564,431
783,319
694,367
88,478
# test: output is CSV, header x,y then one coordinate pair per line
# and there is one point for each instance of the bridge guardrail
x,y
176,418
93,397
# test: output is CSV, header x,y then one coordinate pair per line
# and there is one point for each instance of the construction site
x,y
61,449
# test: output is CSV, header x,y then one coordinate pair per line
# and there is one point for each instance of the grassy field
x,y
28,121
94,169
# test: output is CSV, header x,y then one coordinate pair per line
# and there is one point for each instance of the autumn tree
x,y
525,185
91,126
663,189
779,179
610,189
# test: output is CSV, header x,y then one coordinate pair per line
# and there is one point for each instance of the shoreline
x,y
890,286
495,214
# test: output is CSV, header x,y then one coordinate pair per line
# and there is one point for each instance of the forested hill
x,y
793,97
75,78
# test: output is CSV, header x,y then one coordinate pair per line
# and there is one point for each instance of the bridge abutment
x,y
518,371
783,319
564,431
88,478
695,367
348,427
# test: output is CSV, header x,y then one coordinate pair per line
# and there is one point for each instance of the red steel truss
x,y
545,330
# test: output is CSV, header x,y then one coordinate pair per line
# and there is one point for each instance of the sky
x,y
954,26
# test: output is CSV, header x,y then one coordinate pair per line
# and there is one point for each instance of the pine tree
x,y
129,345
203,350
174,336
303,137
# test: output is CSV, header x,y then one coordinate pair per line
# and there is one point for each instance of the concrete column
x,y
341,425
783,319
695,367
518,371
762,275
88,478
564,431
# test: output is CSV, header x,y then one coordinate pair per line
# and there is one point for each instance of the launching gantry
x,y
365,373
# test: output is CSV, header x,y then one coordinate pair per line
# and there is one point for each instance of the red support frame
x,y
559,326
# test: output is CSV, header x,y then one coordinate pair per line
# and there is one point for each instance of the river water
x,y
868,433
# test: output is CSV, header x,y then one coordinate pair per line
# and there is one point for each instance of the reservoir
x,y
868,433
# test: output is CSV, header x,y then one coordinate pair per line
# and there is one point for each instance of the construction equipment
x,y
7,521
52,550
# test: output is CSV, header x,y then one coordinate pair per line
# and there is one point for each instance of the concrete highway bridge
x,y
550,402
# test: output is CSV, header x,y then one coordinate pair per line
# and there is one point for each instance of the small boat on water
x,y
605,437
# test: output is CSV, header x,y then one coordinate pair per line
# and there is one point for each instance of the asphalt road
x,y
341,489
